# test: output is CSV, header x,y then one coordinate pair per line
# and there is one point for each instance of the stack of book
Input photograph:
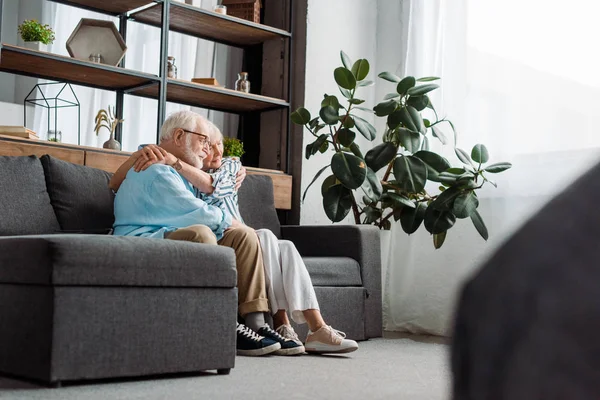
x,y
18,131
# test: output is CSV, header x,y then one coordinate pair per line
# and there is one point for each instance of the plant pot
x,y
39,46
111,143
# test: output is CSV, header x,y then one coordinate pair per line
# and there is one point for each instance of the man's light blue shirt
x,y
158,200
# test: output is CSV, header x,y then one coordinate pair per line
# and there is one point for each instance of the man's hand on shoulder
x,y
150,155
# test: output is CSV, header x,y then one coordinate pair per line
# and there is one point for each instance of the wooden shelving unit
x,y
19,60
208,25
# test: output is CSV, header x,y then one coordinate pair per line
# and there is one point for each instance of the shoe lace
x,y
287,332
274,333
249,333
334,332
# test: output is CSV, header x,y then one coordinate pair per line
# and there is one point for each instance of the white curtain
x,y
194,58
518,76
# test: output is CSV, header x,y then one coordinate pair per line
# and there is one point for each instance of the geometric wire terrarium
x,y
53,96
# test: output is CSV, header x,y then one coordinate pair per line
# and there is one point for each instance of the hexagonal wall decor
x,y
92,37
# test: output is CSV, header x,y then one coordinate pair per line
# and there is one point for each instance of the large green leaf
x,y
437,221
365,83
421,90
410,140
329,115
365,128
480,154
301,116
385,108
346,61
380,156
360,69
396,200
405,84
327,183
418,102
330,101
313,181
344,78
465,204
347,121
411,119
445,200
395,119
372,185
372,214
436,164
388,76
463,156
349,169
356,150
313,148
438,239
345,92
391,96
411,173
498,167
337,202
411,218
439,134
428,79
346,137
479,224
356,101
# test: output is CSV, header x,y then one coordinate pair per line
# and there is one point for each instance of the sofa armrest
x,y
105,260
360,242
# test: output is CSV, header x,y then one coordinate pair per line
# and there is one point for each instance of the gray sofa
x,y
76,303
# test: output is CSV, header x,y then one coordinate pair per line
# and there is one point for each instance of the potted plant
x,y
232,147
109,121
32,32
390,181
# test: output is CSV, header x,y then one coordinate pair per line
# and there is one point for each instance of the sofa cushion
x,y
80,196
257,203
25,207
106,260
333,271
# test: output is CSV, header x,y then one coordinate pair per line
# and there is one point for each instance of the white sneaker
x,y
288,333
329,340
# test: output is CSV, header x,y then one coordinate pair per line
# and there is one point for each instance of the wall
x,y
8,35
333,25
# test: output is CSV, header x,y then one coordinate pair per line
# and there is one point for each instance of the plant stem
x,y
389,170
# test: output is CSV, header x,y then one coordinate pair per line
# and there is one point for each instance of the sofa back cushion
x,y
25,207
80,196
257,203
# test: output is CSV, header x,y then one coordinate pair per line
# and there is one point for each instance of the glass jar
x,y
54,136
220,9
242,84
171,68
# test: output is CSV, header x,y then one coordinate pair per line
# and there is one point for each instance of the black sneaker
x,y
249,343
288,347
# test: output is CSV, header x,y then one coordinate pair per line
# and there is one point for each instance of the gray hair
x,y
187,120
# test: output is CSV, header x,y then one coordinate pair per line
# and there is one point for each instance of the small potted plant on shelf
x,y
109,121
32,32
232,147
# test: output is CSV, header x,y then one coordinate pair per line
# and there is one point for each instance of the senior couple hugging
x,y
183,189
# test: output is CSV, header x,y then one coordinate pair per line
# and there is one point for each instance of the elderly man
x,y
160,203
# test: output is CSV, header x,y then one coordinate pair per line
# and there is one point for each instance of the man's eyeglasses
x,y
204,140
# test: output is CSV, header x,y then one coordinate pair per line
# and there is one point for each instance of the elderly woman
x,y
288,282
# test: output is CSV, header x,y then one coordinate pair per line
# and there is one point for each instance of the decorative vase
x,y
111,143
39,46
171,68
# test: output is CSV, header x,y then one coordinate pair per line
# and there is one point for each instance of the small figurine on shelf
x,y
109,121
32,33
220,9
171,68
242,84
